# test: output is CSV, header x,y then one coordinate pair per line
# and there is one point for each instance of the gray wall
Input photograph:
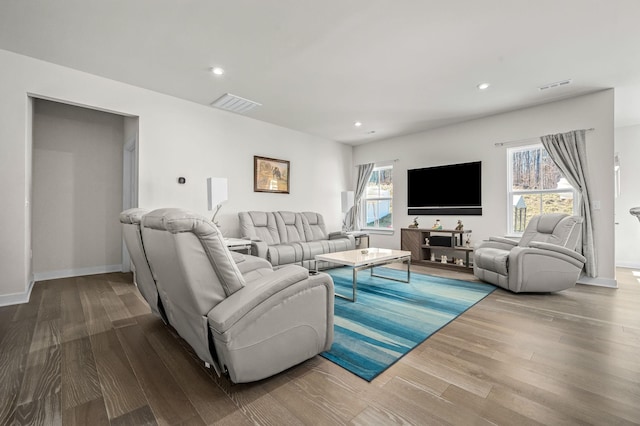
x,y
475,141
77,190
176,138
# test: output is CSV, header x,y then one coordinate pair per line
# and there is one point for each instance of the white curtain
x,y
353,215
569,152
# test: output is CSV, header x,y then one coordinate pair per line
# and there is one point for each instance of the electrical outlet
x,y
596,205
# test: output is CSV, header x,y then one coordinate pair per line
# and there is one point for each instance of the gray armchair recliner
x,y
544,260
250,323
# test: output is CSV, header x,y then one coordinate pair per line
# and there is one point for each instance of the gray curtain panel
x,y
352,216
569,153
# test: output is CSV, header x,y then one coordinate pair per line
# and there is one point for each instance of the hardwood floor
x,y
87,351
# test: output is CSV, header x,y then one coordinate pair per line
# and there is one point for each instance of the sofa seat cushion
x,y
341,244
492,259
313,248
247,263
283,254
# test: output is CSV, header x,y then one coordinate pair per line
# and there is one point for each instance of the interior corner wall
x,y
627,229
77,190
175,138
475,141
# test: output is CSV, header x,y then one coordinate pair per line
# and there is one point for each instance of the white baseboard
x,y
66,273
597,281
630,265
17,298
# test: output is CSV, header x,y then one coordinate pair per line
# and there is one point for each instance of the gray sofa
x,y
288,237
239,315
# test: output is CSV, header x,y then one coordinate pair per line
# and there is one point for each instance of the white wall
x,y
627,145
176,138
77,190
475,140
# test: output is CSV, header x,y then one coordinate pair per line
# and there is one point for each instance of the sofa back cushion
x,y
259,226
188,248
555,228
314,227
290,227
131,234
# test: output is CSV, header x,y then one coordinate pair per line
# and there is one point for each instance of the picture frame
x,y
271,175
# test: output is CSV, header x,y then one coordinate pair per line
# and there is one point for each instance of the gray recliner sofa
x,y
131,220
544,260
284,237
249,322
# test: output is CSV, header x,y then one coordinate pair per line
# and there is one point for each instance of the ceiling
x,y
399,67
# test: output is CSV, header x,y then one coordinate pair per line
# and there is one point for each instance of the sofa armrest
x,y
521,255
259,248
251,263
337,234
491,243
502,240
343,235
263,290
558,249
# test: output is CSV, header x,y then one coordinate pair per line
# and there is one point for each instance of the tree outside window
x,y
378,199
536,187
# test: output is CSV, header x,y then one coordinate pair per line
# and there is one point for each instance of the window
x,y
536,186
378,199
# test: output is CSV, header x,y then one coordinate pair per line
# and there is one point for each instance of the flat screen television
x,y
452,189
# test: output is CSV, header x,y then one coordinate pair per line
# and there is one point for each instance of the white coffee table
x,y
367,259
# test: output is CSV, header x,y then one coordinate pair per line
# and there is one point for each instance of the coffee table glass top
x,y
367,259
363,257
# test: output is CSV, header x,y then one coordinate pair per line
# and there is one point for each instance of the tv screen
x,y
449,186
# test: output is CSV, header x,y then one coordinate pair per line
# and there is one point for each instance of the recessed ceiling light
x,y
357,124
217,70
483,86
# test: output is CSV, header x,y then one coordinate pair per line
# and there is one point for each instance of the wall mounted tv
x,y
453,189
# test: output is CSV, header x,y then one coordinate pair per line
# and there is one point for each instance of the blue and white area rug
x,y
391,318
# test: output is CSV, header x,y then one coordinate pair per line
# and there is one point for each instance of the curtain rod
x,y
529,139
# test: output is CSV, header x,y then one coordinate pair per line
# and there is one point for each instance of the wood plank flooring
x,y
87,351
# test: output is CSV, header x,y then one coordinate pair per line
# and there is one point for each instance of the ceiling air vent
x,y
554,85
234,103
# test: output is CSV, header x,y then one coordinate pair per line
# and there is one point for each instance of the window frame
x,y
364,199
511,193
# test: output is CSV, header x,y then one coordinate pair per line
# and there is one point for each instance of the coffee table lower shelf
x,y
367,259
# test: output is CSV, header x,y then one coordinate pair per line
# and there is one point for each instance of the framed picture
x,y
270,175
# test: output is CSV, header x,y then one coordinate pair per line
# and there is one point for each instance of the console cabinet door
x,y
410,241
